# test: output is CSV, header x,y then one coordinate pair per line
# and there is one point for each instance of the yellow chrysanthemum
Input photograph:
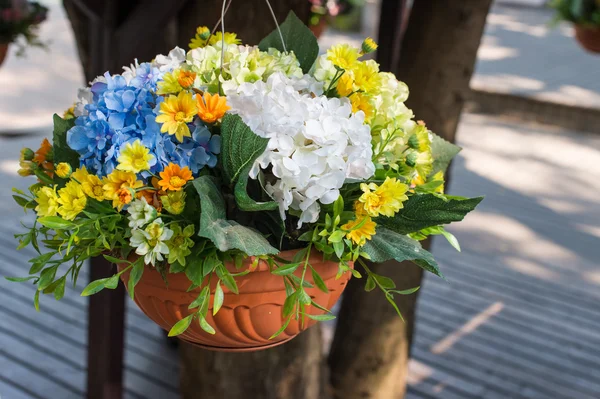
x,y
366,76
134,157
343,56
91,184
63,170
174,177
201,38
360,230
359,209
175,113
384,200
362,102
344,85
118,187
169,83
211,108
439,176
419,139
230,38
47,200
72,200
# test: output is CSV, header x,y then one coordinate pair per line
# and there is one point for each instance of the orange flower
x,y
173,177
42,154
151,197
124,195
186,78
211,107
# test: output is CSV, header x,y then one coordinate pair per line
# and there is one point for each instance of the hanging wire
x,y
277,25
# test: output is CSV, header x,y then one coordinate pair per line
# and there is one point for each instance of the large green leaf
x,y
387,245
244,201
62,152
442,153
240,147
425,210
297,37
226,234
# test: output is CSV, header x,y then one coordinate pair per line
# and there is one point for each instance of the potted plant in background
x,y
238,188
585,15
19,21
322,11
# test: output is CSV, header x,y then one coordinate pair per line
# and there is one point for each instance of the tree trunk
x,y
371,347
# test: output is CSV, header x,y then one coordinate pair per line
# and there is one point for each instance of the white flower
x,y
140,213
315,143
150,242
170,62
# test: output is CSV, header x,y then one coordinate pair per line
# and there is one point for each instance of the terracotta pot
x,y
3,52
588,38
319,28
246,320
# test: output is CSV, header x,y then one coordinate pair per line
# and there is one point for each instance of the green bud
x,y
413,142
27,154
411,159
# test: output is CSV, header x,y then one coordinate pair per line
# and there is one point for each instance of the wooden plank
x,y
14,390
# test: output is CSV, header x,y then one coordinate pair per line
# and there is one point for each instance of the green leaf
x,y
205,326
43,176
200,299
243,200
406,292
36,300
387,245
134,277
46,277
59,291
193,270
114,260
283,327
240,147
319,281
451,239
62,152
226,234
303,297
181,326
286,269
112,282
227,279
442,153
218,298
297,37
94,287
321,317
289,303
425,210
370,284
20,279
383,281
24,202
55,222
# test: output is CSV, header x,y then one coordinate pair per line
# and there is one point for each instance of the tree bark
x,y
371,346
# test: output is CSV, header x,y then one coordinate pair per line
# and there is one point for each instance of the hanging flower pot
x,y
319,27
247,320
588,37
3,52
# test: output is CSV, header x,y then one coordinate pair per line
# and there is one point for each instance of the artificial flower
x,y
174,177
360,230
344,85
343,56
44,153
47,200
63,170
180,243
419,139
174,202
27,154
211,108
201,37
150,242
141,213
385,199
91,184
118,186
69,113
186,78
25,168
170,83
135,157
362,102
368,45
72,200
175,113
230,38
366,76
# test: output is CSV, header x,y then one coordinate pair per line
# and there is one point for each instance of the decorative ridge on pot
x,y
238,188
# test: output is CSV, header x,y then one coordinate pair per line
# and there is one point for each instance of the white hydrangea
x,y
315,143
140,213
173,60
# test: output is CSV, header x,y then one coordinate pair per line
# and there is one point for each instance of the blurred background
x,y
519,314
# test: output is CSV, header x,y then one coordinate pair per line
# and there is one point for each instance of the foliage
x,y
580,12
187,166
21,20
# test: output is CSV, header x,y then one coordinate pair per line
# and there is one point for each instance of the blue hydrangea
x,y
121,112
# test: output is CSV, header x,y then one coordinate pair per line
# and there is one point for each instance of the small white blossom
x,y
150,242
315,143
167,63
140,213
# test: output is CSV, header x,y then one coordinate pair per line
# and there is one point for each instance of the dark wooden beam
x,y
391,28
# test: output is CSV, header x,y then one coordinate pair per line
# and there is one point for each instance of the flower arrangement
x,y
228,155
20,18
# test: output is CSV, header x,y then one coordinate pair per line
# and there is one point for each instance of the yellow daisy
x,y
364,103
175,113
72,200
118,187
174,177
360,230
169,83
345,85
47,200
343,56
91,184
366,76
63,170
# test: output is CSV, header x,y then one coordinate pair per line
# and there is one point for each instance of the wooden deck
x,y
519,316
